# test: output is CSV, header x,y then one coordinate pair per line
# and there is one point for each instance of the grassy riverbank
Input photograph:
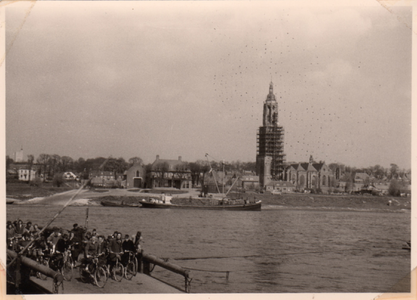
x,y
300,200
24,191
336,201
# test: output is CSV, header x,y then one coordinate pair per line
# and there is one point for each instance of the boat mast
x,y
211,169
223,177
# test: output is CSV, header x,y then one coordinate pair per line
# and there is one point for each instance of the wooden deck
x,y
140,284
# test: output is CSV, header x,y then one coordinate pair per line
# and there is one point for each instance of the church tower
x,y
270,156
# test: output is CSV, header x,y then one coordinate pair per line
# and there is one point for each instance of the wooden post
x,y
187,286
86,219
146,267
140,262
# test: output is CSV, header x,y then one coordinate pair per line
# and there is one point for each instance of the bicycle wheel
x,y
130,270
67,270
100,277
118,271
136,265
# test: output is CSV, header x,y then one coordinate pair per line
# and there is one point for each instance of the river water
x,y
276,250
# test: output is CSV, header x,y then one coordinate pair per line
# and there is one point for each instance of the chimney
x,y
157,157
179,158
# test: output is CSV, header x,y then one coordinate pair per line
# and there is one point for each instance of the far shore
x,y
93,197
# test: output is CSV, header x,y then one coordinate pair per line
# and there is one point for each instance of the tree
x,y
394,170
377,171
31,158
394,188
249,166
58,180
79,165
54,164
9,161
66,163
44,160
135,160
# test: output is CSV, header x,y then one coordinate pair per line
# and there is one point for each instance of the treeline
x,y
54,164
51,164
377,171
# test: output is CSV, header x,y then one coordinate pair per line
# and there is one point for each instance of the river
x,y
276,250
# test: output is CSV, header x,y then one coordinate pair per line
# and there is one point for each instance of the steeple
x,y
271,96
270,116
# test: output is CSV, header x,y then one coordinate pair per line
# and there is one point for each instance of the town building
x,y
169,173
135,176
280,186
18,156
250,182
25,171
270,158
108,179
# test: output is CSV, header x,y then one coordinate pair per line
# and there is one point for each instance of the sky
x,y
189,78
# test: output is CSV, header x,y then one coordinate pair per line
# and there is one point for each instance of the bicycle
x,y
117,271
98,273
131,266
67,265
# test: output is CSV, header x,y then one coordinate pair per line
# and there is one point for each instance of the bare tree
x,y
31,158
135,160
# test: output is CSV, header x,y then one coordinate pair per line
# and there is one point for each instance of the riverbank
x,y
365,202
27,195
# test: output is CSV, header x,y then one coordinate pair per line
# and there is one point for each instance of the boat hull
x,y
114,204
249,206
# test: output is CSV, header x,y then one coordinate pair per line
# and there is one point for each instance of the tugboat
x,y
202,203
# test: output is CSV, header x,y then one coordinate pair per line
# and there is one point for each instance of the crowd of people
x,y
83,244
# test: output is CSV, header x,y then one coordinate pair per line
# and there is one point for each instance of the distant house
x,y
21,169
362,177
135,176
69,176
105,178
23,174
169,173
280,186
250,182
361,180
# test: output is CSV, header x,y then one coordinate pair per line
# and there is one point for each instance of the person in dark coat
x,y
61,246
10,233
128,246
115,250
90,251
76,237
20,228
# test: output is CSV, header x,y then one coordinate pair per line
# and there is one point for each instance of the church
x,y
270,158
310,176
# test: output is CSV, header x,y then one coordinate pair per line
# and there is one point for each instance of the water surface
x,y
275,250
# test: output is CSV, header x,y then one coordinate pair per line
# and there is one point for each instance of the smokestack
x,y
179,158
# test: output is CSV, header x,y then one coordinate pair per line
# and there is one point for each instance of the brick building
x,y
169,173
